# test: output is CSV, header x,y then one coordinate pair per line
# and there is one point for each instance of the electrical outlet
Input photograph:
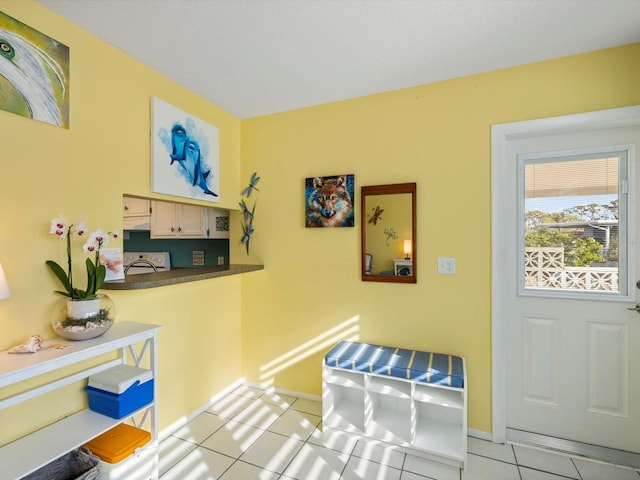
x,y
220,260
446,266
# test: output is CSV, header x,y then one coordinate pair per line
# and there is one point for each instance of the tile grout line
x,y
286,406
236,459
515,457
348,458
289,407
576,467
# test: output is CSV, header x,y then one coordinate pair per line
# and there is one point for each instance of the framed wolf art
x,y
329,201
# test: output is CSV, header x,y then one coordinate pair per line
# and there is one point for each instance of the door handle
x,y
637,307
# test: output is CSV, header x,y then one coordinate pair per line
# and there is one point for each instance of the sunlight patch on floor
x,y
193,467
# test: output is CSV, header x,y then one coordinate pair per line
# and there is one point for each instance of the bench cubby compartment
x,y
344,399
389,405
414,416
438,429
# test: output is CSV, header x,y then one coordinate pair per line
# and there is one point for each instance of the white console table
x,y
402,266
411,410
35,450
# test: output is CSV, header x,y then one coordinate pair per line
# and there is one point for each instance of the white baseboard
x,y
175,426
282,391
178,424
471,432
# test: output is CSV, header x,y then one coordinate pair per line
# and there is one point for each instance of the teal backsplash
x,y
181,250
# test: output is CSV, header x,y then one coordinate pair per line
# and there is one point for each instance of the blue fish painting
x,y
185,154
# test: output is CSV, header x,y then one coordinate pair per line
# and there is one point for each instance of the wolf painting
x,y
329,201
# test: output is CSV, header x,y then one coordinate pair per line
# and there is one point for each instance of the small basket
x,y
78,464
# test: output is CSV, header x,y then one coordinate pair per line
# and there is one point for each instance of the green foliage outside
x,y
578,251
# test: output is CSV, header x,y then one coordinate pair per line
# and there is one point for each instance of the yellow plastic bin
x,y
122,453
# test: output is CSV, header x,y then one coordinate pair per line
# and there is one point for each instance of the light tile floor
x,y
254,435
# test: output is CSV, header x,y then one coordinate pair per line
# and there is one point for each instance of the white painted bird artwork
x,y
33,73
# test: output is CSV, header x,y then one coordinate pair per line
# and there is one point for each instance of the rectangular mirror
x,y
388,230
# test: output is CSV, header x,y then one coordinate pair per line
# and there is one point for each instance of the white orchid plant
x,y
95,270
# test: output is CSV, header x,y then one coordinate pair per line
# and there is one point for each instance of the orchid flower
x,y
59,226
95,271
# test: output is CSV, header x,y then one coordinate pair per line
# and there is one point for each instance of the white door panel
x,y
608,368
571,364
540,360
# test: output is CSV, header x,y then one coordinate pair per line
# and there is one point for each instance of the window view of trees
x,y
589,235
571,222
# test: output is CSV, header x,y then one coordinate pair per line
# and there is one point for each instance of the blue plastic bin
x,y
120,405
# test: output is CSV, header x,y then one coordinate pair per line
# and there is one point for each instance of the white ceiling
x,y
255,57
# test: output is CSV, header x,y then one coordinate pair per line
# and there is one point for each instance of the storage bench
x,y
410,400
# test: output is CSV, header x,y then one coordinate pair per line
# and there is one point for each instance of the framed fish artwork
x,y
34,73
185,154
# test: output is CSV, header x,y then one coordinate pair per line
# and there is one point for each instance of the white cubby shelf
x,y
424,419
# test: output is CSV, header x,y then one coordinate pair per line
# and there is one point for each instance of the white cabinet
x,y
135,343
136,213
218,223
427,420
177,220
135,207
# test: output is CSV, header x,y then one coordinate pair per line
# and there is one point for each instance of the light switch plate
x,y
446,266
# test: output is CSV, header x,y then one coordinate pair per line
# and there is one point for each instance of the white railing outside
x,y
544,268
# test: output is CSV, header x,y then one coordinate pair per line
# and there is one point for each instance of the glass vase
x,y
83,319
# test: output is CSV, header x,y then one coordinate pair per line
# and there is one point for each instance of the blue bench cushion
x,y
412,365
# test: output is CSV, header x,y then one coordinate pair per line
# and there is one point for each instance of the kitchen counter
x,y
178,275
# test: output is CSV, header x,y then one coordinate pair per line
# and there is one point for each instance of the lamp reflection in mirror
x,y
407,249
4,286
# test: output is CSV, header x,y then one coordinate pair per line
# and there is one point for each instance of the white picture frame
x,y
185,154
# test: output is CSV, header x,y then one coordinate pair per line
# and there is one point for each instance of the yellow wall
x,y
272,326
437,135
84,171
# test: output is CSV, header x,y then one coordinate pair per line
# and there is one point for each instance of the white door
x,y
566,347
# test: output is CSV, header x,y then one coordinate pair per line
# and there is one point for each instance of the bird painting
x,y
35,75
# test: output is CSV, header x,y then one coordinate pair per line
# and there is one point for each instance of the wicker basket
x,y
78,464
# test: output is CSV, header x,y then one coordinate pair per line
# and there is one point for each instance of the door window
x,y
573,223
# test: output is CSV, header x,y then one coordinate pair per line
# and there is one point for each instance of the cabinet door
x,y
135,207
164,221
192,221
218,223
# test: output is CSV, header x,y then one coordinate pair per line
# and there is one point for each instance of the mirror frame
x,y
373,190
